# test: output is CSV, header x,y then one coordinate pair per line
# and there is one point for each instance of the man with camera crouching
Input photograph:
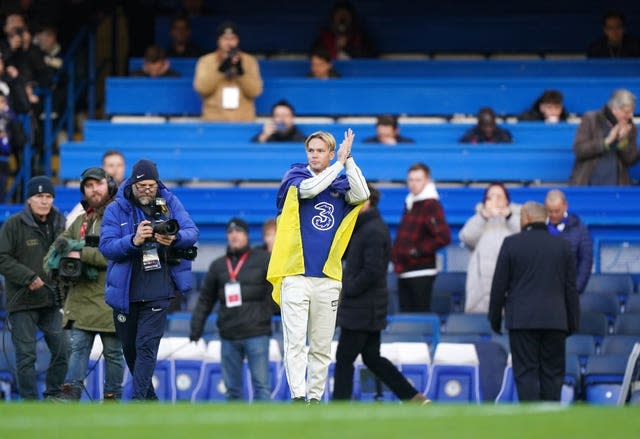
x,y
81,273
228,80
30,292
148,238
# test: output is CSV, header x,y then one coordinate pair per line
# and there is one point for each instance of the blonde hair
x,y
327,138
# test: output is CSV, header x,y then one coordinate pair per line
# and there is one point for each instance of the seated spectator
x,y
344,37
281,127
615,43
181,44
548,107
495,218
606,143
228,80
388,132
486,130
155,65
321,66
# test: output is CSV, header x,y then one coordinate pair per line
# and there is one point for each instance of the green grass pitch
x,y
262,421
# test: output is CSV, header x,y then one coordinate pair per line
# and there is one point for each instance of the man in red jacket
x,y
422,231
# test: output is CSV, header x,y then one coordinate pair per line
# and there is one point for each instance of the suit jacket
x,y
535,281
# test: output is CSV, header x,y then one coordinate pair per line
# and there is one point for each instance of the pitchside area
x,y
321,421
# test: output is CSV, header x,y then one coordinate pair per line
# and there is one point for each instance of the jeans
x,y
256,350
24,325
81,344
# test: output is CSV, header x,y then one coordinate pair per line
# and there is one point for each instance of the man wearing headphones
x,y
85,312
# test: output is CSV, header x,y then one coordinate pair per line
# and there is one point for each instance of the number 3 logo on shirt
x,y
324,219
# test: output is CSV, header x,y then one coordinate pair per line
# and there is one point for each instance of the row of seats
x,y
367,68
371,96
193,133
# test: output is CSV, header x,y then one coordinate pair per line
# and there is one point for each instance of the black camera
x,y
70,269
233,52
92,241
166,227
18,31
175,254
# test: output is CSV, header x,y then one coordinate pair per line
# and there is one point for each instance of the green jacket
x,y
23,246
85,307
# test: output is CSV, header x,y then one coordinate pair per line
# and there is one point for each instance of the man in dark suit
x,y
535,282
362,313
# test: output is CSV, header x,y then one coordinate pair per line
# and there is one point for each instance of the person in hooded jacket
x,y
145,234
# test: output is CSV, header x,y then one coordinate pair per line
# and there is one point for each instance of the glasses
x,y
146,187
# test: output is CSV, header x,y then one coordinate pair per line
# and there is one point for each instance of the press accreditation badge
x,y
232,294
230,98
150,259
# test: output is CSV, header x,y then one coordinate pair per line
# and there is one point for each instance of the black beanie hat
x,y
238,224
144,170
228,27
40,185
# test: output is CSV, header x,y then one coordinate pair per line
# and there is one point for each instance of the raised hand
x,y
345,147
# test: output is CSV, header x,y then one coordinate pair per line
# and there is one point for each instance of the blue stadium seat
x,y
468,324
423,327
604,303
453,283
603,378
455,374
594,324
210,385
620,285
581,345
627,324
572,379
619,344
633,304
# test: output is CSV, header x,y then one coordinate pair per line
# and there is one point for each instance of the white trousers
x,y
308,306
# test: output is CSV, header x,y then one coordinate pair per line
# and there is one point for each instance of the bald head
x,y
556,204
532,212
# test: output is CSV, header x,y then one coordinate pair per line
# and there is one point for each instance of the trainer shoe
x,y
420,398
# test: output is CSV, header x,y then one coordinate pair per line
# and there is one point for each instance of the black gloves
x,y
230,69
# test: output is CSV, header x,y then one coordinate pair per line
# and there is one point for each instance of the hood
x,y
429,192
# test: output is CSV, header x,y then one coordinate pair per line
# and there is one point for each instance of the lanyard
x,y
233,273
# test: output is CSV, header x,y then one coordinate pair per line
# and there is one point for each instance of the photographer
x,y
228,80
81,269
143,231
24,240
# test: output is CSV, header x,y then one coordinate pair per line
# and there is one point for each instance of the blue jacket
x,y
578,235
116,244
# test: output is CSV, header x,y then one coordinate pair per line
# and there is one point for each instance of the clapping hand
x,y
344,152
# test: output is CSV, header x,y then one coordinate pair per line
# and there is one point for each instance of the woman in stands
x,y
495,218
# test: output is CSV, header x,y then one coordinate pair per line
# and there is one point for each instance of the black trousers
x,y
538,357
366,343
414,293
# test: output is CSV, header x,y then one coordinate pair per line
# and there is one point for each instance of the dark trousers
x,y
140,332
366,343
24,325
537,356
414,293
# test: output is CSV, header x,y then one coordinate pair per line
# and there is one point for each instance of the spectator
x,y
155,64
268,234
146,267
113,164
568,225
486,130
19,52
534,283
606,143
281,127
47,40
318,210
14,88
181,44
238,281
362,313
495,218
228,80
615,43
421,232
344,37
548,107
86,315
11,141
194,8
30,294
388,132
321,66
